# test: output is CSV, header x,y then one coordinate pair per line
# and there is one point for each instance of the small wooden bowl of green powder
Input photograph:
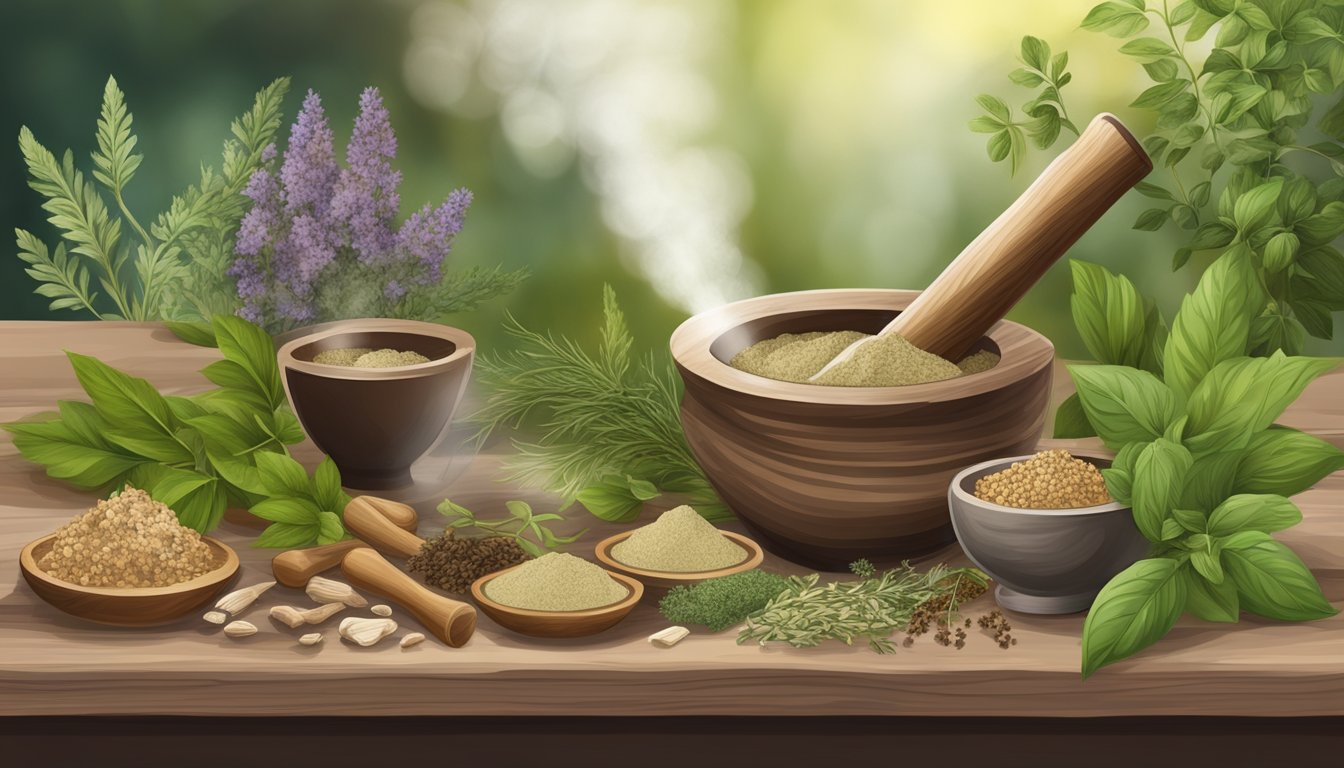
x,y
680,547
556,595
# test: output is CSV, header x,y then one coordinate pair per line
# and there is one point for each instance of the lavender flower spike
x,y
366,199
309,170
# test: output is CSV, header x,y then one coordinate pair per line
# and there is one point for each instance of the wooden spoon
x,y
452,621
999,266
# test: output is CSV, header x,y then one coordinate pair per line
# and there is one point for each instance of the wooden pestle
x,y
1000,265
295,567
365,518
452,621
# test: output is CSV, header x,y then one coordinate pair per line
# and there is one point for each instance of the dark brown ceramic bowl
x,y
375,422
826,475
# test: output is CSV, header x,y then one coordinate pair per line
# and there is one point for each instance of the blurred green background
x,y
689,152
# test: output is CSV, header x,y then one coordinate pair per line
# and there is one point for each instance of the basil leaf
x,y
610,501
1272,581
1209,601
251,349
1191,520
1243,396
1159,478
642,489
1132,612
144,422
200,334
198,499
1119,476
1071,421
327,484
1286,462
70,455
241,474
1253,512
330,528
282,475
287,510
1214,321
287,536
1209,480
1172,529
1109,314
1126,405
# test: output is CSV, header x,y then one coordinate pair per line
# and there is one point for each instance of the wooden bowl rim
x,y
28,562
755,556
691,342
464,343
970,499
620,607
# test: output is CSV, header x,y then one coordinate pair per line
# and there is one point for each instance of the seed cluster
x,y
452,564
1049,480
938,614
997,625
128,540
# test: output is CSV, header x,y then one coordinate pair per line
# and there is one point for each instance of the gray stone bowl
x,y
1046,561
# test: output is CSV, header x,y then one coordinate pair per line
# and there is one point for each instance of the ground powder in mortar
x,y
889,361
556,582
363,357
680,540
1048,480
128,540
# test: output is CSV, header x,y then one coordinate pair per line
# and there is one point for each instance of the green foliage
x,y
175,268
520,523
1239,139
605,420
1044,114
1201,462
198,454
723,602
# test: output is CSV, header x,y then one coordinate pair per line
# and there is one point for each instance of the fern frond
x,y
458,292
62,279
76,209
114,160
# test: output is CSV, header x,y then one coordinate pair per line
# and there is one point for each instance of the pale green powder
x,y
681,541
363,357
346,357
890,361
556,582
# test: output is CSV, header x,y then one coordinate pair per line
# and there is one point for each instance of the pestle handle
x,y
295,567
365,519
999,266
451,621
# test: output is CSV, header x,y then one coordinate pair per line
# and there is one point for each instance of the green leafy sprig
x,y
175,267
1045,112
1199,459
200,454
611,435
1260,115
520,523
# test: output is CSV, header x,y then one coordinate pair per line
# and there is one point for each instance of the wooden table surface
x,y
53,664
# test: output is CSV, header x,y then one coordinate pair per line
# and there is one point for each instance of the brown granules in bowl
x,y
128,540
1049,480
452,564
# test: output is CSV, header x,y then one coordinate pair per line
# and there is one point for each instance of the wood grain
x,y
1004,261
826,475
54,664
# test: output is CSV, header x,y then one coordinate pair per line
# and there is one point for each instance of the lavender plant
x,y
321,241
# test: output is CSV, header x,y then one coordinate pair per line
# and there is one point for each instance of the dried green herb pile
x,y
808,613
452,564
723,602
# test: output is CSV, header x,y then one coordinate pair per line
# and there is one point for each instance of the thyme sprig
x,y
808,613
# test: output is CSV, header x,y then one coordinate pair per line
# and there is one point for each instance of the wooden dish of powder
x,y
672,553
542,623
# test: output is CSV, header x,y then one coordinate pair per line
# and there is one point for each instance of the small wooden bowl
x,y
557,623
128,606
754,556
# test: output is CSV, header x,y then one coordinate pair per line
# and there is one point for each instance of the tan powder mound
x,y
389,358
890,361
346,357
556,582
679,541
128,540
